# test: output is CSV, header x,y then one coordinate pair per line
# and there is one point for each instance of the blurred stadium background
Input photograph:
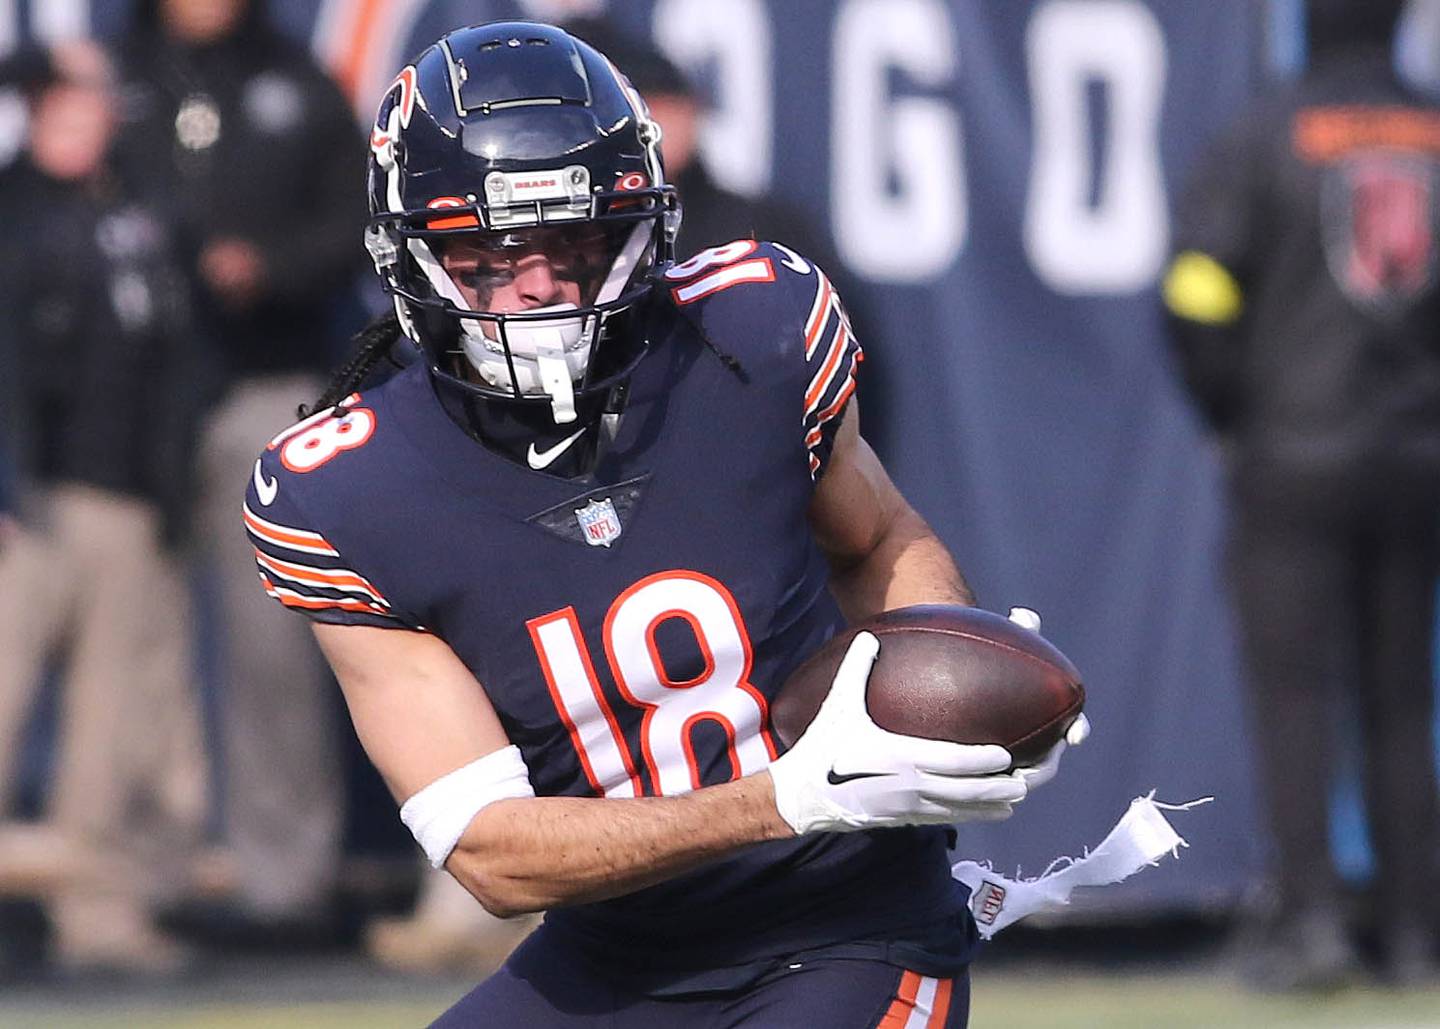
x,y
996,180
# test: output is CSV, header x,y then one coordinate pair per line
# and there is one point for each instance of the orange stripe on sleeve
x,y
818,317
827,373
295,600
839,402
337,579
294,539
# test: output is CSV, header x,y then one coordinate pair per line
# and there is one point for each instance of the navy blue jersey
x,y
630,628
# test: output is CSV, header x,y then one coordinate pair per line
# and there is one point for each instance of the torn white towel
x,y
1141,838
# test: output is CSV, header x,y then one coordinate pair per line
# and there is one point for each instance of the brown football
x,y
948,673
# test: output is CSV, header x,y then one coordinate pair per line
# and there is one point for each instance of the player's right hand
x,y
846,773
1044,770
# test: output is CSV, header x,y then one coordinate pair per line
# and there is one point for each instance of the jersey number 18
x,y
721,694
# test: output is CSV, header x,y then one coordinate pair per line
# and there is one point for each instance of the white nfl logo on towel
x,y
599,522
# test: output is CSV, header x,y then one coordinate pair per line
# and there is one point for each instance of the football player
x,y
563,562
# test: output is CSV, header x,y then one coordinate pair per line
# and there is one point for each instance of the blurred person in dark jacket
x,y
254,149
104,380
1308,321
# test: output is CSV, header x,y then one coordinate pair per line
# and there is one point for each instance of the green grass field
x,y
1008,999
1014,1000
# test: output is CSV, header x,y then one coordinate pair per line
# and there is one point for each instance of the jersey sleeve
x,y
832,359
299,567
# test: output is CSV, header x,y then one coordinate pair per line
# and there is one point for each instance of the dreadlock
x,y
371,345
730,361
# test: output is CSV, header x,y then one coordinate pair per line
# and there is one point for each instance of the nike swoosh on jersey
x,y
835,779
266,491
539,459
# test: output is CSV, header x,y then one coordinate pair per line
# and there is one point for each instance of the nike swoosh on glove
x,y
846,773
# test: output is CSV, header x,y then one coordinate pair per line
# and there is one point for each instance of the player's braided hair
x,y
372,345
728,360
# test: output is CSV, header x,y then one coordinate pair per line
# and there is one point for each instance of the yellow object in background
x,y
1198,288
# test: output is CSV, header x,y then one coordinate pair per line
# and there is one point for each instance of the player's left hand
x,y
1044,770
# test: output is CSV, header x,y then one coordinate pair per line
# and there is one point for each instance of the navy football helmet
x,y
502,141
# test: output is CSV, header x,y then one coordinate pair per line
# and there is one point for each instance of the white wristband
x,y
438,815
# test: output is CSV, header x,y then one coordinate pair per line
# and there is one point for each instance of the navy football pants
x,y
541,987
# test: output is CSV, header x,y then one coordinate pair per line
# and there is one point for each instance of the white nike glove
x,y
1044,770
846,773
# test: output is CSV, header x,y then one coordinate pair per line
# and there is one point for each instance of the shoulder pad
x,y
754,299
779,316
287,518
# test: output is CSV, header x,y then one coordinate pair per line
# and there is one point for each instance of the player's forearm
x,y
529,855
907,565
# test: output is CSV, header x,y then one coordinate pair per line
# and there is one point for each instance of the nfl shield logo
x,y
599,523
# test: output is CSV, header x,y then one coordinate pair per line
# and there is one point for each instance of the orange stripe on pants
x,y
942,1004
904,1003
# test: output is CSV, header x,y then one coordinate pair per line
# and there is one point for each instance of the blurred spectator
x,y
447,932
712,215
254,149
104,382
1306,306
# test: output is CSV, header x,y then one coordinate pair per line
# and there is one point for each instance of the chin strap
x,y
555,380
